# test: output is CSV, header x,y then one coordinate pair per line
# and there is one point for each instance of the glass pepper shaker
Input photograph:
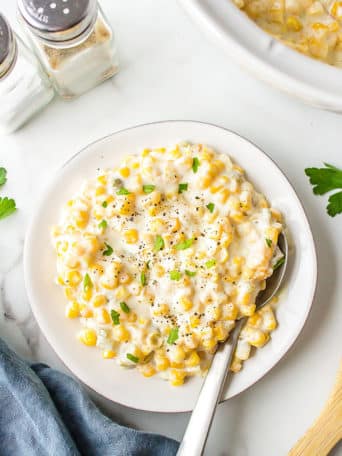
x,y
73,41
24,87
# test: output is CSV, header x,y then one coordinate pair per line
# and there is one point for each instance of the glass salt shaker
x,y
24,87
73,41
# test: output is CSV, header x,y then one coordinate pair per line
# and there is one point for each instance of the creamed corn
x,y
160,256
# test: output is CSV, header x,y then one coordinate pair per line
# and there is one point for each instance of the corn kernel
x,y
102,316
69,293
294,24
99,300
162,363
162,309
194,321
125,172
147,370
108,354
74,278
102,180
122,293
121,334
88,337
131,236
100,190
193,360
72,310
177,377
85,311
185,302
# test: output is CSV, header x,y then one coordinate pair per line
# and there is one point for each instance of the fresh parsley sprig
x,y
325,180
7,205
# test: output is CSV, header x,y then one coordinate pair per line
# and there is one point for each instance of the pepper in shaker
x,y
24,87
73,41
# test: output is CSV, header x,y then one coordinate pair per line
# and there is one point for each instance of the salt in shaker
x,y
24,87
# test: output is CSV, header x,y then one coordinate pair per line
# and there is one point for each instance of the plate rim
x,y
51,184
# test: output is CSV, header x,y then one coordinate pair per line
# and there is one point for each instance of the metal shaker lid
x,y
58,20
7,46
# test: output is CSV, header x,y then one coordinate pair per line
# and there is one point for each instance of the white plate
x,y
306,78
128,387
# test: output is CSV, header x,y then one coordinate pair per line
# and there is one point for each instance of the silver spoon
x,y
197,431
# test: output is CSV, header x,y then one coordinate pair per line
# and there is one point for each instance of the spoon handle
x,y
196,433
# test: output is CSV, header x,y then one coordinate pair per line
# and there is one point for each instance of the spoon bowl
x,y
197,431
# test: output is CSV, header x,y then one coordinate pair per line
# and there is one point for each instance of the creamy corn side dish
x,y
160,256
311,27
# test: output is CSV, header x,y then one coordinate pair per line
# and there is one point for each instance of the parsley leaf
x,y
87,283
210,263
148,188
279,263
123,191
335,204
190,273
173,336
182,188
104,204
159,243
124,307
108,251
175,275
324,180
115,317
185,244
143,279
195,164
7,207
3,177
103,224
132,358
211,207
268,242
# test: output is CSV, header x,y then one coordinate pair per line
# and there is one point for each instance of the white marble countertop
x,y
170,71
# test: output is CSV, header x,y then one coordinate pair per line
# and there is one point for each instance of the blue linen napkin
x,y
45,412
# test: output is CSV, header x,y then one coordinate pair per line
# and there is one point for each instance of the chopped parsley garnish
x,y
123,191
173,336
210,263
268,242
7,207
148,264
108,251
148,188
210,207
132,358
324,180
184,245
143,279
124,307
195,164
182,188
104,204
103,224
115,317
190,273
87,283
159,243
279,263
3,177
175,275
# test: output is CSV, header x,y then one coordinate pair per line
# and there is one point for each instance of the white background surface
x,y
170,71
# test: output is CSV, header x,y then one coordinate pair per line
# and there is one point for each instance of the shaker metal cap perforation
x,y
5,39
50,18
8,47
